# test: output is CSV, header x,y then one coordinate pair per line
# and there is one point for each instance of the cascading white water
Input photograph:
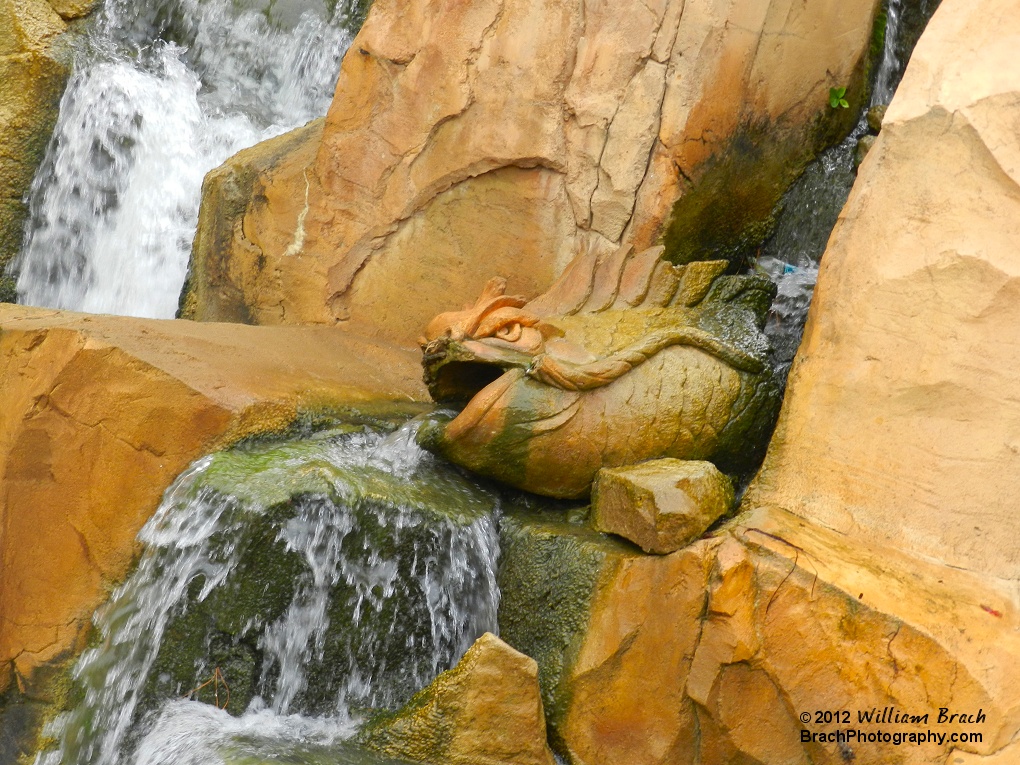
x,y
384,590
161,93
890,69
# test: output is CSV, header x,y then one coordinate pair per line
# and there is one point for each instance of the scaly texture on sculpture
x,y
625,358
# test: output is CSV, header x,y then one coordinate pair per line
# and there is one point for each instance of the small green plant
x,y
837,100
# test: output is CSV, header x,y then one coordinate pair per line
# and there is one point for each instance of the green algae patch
x,y
551,572
270,474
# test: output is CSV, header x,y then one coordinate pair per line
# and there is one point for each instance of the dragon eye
x,y
509,332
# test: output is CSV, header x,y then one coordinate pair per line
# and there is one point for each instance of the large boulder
x,y
900,423
99,414
494,137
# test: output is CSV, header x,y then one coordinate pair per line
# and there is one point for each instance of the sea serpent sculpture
x,y
625,358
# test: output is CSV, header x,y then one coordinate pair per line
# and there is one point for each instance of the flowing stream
x,y
291,585
161,93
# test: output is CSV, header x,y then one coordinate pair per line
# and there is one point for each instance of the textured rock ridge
x,y
498,137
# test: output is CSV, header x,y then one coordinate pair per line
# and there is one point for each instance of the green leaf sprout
x,y
837,100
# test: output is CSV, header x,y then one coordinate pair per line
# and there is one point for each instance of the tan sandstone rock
x,y
660,505
498,137
33,72
901,423
485,711
99,414
713,654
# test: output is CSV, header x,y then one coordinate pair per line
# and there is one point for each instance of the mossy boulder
x,y
278,495
551,572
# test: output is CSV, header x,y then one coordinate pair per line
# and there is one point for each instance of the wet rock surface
x,y
91,403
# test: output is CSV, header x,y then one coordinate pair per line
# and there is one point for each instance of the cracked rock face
x,y
505,136
712,654
626,358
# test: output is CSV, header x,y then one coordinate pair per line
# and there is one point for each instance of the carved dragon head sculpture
x,y
625,358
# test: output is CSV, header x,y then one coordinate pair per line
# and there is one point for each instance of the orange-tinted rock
x,y
485,711
99,414
713,653
33,72
472,139
660,505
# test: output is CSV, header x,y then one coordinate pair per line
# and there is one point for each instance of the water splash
x,y
162,93
342,571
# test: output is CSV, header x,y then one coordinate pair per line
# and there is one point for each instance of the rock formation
x,y
100,414
485,711
899,424
626,358
714,653
873,567
504,137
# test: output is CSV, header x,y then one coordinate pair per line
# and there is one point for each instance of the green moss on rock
x,y
550,573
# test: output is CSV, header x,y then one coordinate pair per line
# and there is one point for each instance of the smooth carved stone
x,y
485,711
900,420
662,505
626,358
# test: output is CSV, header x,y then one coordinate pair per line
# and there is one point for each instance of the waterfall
x,y
313,578
160,94
891,67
